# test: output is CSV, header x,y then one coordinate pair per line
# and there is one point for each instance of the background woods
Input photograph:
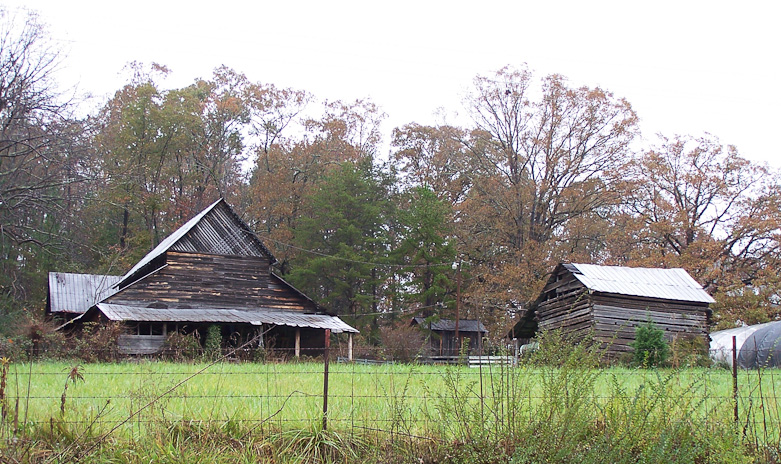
x,y
373,229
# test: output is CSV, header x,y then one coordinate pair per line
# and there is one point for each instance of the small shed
x,y
611,301
213,270
442,335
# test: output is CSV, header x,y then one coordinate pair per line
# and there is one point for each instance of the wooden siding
x,y
199,280
616,318
565,305
140,344
443,343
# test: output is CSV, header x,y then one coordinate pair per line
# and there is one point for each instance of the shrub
x,y
402,342
689,351
98,342
213,346
182,347
556,348
650,347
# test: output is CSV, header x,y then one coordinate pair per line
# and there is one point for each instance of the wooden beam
x,y
298,342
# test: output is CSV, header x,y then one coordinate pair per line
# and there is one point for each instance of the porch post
x,y
350,346
298,342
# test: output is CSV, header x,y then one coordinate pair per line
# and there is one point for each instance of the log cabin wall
x,y
199,280
616,317
565,305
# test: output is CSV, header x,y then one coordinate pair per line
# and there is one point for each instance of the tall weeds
x,y
558,405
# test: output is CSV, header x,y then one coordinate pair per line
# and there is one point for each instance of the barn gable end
x,y
216,230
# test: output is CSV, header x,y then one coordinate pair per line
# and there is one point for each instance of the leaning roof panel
x,y
670,284
76,293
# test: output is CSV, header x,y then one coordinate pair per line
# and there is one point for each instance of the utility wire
x,y
353,261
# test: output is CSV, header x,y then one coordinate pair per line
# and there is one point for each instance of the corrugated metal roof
x,y
76,293
117,312
464,325
670,284
216,230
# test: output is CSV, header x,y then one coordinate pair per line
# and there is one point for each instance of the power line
x,y
352,261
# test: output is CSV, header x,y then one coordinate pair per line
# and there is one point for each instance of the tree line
x,y
545,172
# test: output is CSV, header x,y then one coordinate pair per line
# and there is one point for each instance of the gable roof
x,y
76,293
668,284
449,325
217,229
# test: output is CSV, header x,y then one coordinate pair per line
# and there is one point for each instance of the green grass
x,y
527,414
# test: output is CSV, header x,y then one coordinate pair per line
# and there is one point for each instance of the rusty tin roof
x,y
217,230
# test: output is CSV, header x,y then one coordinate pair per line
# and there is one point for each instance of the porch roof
x,y
117,312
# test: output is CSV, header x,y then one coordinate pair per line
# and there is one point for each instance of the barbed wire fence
x,y
249,393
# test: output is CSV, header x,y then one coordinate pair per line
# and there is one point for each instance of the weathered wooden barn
x,y
609,302
442,336
212,270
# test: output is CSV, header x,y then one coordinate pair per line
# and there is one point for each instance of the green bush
x,y
650,347
213,346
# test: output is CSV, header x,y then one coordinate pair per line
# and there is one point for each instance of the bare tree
x,y
37,144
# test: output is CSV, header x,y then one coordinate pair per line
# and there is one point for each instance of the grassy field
x,y
100,407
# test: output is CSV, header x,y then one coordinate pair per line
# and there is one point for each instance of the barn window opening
x,y
148,328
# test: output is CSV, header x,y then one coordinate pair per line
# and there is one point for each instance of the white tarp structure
x,y
757,345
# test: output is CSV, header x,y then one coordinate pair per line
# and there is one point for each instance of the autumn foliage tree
x,y
291,170
545,172
697,204
541,159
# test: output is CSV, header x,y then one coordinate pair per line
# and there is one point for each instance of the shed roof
x,y
668,284
217,229
449,325
76,293
117,312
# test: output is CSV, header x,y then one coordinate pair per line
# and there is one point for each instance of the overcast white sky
x,y
687,67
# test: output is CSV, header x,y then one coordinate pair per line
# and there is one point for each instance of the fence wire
x,y
443,401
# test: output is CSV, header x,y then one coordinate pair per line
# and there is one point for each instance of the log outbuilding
x,y
609,302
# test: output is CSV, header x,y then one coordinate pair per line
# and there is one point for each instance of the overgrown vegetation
x,y
558,405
